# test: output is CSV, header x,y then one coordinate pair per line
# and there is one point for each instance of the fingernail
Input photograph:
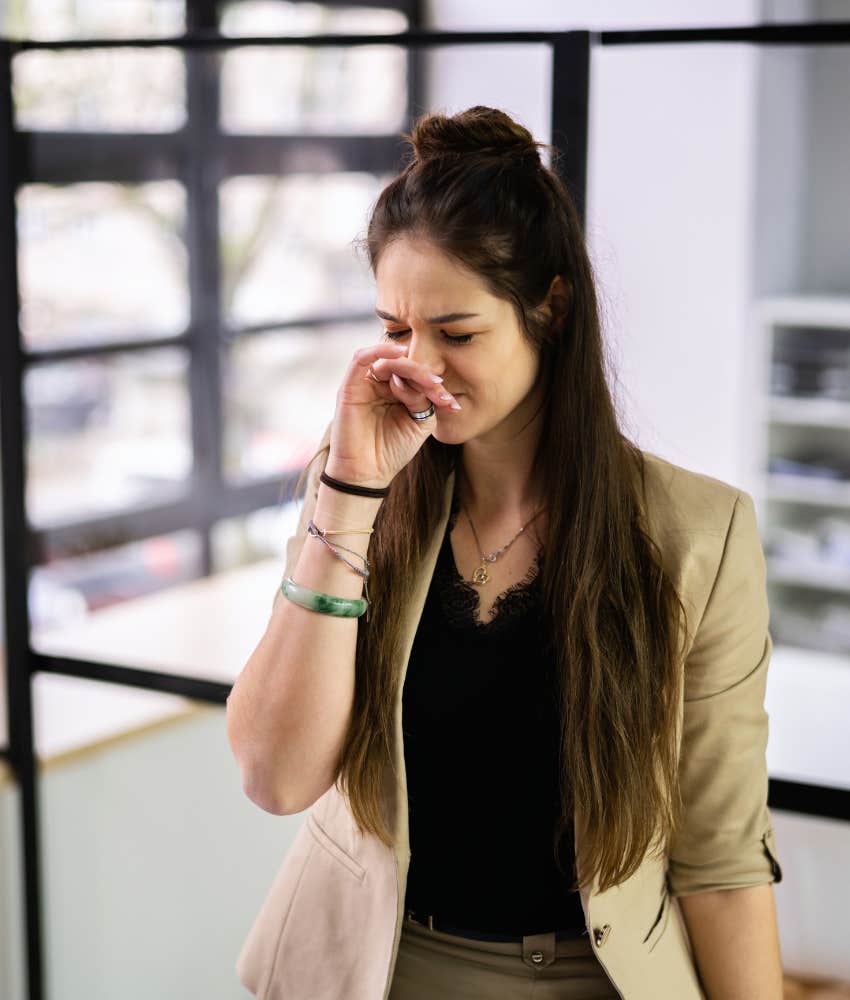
x,y
436,378
399,347
397,381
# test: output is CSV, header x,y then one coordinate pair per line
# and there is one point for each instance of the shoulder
x,y
699,523
682,503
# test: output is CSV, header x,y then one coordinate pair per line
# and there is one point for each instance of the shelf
x,y
808,690
799,411
800,489
823,311
817,576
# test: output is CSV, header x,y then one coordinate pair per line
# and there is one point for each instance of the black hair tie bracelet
x,y
360,491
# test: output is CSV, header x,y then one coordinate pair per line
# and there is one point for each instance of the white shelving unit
x,y
803,458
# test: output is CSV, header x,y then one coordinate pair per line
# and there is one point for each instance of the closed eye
x,y
463,338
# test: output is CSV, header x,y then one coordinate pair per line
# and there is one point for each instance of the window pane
x,y
100,90
106,434
67,590
280,393
57,19
286,89
262,534
287,245
99,260
277,17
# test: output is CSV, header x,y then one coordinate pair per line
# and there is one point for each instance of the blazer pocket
x,y
324,840
659,925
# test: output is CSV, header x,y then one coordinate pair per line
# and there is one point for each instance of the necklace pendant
x,y
480,575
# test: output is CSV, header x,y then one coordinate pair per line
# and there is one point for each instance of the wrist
x,y
344,510
346,476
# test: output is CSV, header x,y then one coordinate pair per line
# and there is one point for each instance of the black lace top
x,y
480,725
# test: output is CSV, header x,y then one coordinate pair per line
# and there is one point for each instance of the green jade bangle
x,y
326,604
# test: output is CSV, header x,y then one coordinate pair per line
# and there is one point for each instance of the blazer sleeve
x,y
726,838
295,542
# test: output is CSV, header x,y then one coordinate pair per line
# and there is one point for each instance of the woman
x,y
533,744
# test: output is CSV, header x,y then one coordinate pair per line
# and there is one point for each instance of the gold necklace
x,y
481,576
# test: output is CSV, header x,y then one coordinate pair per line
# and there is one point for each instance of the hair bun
x,y
477,130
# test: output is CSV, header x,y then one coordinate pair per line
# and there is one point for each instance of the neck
x,y
496,475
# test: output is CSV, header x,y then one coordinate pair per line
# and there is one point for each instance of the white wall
x,y
669,211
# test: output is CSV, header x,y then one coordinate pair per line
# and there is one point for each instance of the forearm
x,y
736,942
289,708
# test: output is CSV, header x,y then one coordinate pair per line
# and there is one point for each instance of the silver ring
x,y
422,414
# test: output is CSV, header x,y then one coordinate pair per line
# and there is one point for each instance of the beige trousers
x,y
434,964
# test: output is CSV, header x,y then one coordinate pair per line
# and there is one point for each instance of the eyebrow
x,y
445,318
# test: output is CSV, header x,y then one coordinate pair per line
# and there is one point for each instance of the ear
x,y
558,299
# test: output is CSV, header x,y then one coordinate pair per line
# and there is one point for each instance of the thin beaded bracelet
x,y
317,532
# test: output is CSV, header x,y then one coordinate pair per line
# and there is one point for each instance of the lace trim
x,y
461,600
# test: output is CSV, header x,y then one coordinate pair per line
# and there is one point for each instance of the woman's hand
x,y
373,436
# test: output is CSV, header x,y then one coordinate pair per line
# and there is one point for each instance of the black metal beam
x,y
72,157
202,172
129,343
800,33
21,753
305,153
810,800
212,691
821,33
130,158
143,341
570,109
59,541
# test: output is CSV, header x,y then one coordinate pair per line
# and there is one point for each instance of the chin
x,y
450,432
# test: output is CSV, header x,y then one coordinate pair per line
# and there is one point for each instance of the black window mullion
x,y
201,174
19,703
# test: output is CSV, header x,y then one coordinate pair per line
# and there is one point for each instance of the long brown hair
x,y
476,189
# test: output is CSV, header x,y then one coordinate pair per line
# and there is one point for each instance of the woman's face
x,y
424,299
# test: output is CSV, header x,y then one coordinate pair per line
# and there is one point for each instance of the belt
x,y
435,924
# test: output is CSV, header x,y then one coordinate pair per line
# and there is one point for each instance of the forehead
x,y
415,274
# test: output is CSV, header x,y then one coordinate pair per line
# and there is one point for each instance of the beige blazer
x,y
330,925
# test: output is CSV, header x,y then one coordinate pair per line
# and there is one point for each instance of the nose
x,y
422,350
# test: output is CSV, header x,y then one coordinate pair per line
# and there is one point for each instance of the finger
x,y
431,392
435,391
410,371
365,356
411,397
